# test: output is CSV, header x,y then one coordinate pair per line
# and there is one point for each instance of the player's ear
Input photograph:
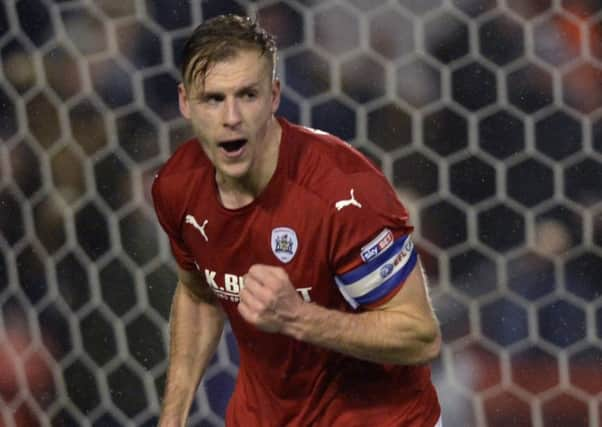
x,y
275,95
183,101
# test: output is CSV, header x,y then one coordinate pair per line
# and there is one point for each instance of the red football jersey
x,y
333,222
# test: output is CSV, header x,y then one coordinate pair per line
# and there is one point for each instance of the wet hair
x,y
220,38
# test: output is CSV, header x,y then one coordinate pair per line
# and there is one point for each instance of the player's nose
x,y
232,116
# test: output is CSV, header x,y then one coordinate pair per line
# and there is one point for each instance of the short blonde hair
x,y
221,38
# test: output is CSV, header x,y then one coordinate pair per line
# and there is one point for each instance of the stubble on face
x,y
232,115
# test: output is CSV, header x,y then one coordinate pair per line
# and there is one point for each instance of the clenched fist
x,y
269,300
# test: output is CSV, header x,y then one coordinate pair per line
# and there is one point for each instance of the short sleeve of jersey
x,y
372,250
169,221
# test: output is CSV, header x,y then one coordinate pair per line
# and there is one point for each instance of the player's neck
x,y
236,193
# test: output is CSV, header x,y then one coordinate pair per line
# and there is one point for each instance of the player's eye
x,y
249,94
212,99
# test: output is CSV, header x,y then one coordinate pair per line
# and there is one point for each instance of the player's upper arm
x,y
196,286
412,308
412,295
381,267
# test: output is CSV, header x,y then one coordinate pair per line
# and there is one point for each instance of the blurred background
x,y
486,115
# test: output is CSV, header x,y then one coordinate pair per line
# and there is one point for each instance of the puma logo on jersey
x,y
348,202
192,221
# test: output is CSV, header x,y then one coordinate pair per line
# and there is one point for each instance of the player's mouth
x,y
233,148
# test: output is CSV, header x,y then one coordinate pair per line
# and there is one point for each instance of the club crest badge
x,y
284,243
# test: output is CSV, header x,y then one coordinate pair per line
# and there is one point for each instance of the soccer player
x,y
295,238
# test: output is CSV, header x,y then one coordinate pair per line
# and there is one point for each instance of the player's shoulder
x,y
187,158
328,166
329,150
187,162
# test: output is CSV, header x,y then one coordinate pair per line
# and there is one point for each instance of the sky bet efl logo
x,y
377,245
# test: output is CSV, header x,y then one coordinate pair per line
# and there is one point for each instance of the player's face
x,y
232,113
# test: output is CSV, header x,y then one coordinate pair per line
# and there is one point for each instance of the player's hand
x,y
268,299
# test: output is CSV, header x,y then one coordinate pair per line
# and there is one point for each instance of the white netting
x,y
485,114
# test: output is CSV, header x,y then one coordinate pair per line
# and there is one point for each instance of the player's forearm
x,y
195,330
397,337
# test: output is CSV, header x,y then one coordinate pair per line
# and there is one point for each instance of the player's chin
x,y
234,169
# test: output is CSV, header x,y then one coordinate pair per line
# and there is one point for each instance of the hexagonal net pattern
x,y
486,116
